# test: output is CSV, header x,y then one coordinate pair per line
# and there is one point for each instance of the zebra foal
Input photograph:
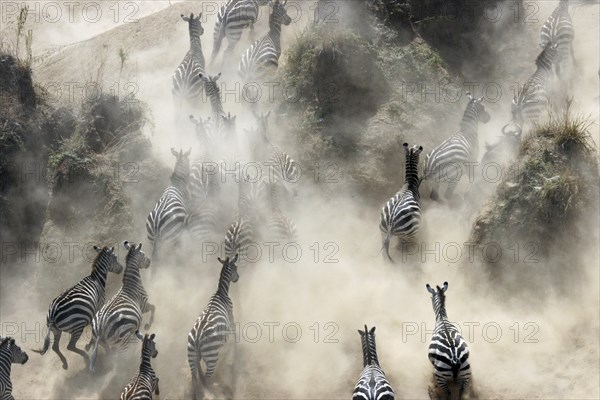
x,y
145,382
10,354
448,351
401,215
74,309
209,333
372,383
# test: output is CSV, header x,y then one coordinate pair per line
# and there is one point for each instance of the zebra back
x,y
448,351
145,382
372,383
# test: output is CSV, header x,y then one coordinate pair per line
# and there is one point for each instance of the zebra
x,y
240,236
166,221
259,139
187,84
372,383
401,215
558,29
283,174
118,319
534,97
448,351
456,151
212,327
281,228
265,52
202,221
10,354
232,18
145,382
74,309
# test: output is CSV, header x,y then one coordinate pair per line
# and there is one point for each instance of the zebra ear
x,y
445,287
199,16
174,152
139,247
267,114
98,249
187,153
152,336
480,99
372,331
234,259
217,77
255,114
429,289
470,96
127,245
183,17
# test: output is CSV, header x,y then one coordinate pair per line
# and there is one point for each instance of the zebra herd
x,y
197,200
401,215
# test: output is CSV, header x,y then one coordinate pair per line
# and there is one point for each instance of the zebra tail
x,y
218,40
94,352
154,255
386,245
44,349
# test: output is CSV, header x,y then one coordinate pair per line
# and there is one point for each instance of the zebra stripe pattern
x,y
166,222
210,331
232,19
372,383
187,84
239,237
534,97
558,29
74,309
145,382
283,174
10,354
457,150
401,215
118,319
220,125
448,351
264,53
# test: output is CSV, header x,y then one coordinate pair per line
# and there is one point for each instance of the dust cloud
x,y
297,316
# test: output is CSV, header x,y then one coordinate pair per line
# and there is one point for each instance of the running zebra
x,y
372,383
265,52
166,222
232,19
239,237
145,382
202,221
187,84
211,329
118,319
401,215
283,174
448,351
10,354
259,141
220,126
457,151
534,97
558,29
74,309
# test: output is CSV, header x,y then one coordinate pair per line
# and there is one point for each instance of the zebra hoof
x,y
65,366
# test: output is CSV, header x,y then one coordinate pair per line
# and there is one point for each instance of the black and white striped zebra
x,y
75,308
187,85
166,222
401,215
145,382
10,354
454,154
448,351
264,54
558,29
119,318
211,329
533,99
221,126
283,173
232,18
372,383
259,141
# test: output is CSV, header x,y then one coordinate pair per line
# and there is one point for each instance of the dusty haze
x,y
526,345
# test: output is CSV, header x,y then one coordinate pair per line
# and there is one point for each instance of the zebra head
x,y
438,297
136,253
182,165
16,355
230,265
210,85
367,339
279,14
195,25
476,104
108,254
148,344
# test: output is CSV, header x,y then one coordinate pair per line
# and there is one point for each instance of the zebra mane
x,y
5,340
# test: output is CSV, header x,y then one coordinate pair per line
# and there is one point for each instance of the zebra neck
x,y
217,106
131,279
5,359
369,351
195,44
224,281
179,182
99,273
145,362
411,179
441,315
468,128
275,34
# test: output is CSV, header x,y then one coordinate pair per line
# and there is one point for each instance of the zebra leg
x,y
463,385
151,308
156,390
450,190
72,346
57,334
434,195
